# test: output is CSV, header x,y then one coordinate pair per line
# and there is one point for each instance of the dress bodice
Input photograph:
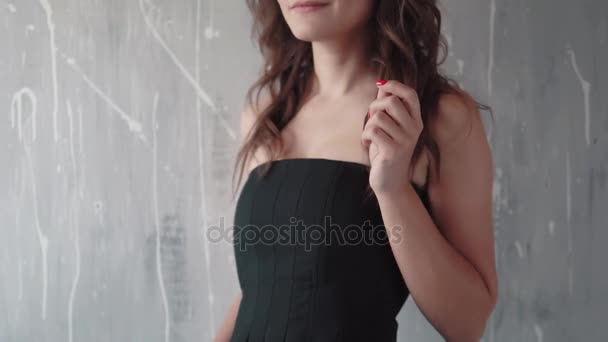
x,y
312,256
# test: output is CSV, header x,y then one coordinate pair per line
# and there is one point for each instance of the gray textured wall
x,y
119,128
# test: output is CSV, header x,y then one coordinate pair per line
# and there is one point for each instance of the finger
x,y
378,136
394,107
383,121
381,92
407,94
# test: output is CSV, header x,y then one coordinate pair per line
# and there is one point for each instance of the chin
x,y
311,34
336,19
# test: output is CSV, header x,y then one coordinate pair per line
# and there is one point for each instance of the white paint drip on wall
x,y
159,267
19,181
586,87
12,8
133,125
20,282
70,115
74,223
569,222
539,332
460,64
520,249
491,45
551,227
569,200
80,135
498,197
81,152
200,92
48,10
448,38
201,167
42,239
76,278
210,32
17,111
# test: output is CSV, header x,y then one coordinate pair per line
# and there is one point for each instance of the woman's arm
x,y
227,327
447,260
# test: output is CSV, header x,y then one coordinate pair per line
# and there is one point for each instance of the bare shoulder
x,y
464,150
458,117
250,112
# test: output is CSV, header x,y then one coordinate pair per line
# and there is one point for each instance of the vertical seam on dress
x,y
253,300
330,188
274,270
293,264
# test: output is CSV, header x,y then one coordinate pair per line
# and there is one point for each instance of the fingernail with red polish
x,y
380,82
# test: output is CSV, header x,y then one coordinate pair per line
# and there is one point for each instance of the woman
x,y
422,154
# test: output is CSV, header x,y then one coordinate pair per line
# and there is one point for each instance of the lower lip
x,y
308,8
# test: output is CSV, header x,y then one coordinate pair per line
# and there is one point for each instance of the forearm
x,y
450,292
227,327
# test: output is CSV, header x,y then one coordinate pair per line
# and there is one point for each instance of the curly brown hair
x,y
409,47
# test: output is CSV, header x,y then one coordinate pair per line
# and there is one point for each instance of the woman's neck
x,y
341,65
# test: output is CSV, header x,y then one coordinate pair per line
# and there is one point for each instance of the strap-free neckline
x,y
311,159
357,164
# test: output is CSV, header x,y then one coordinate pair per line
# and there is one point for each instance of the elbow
x,y
473,329
473,332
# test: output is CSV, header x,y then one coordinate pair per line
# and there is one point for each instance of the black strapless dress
x,y
306,269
